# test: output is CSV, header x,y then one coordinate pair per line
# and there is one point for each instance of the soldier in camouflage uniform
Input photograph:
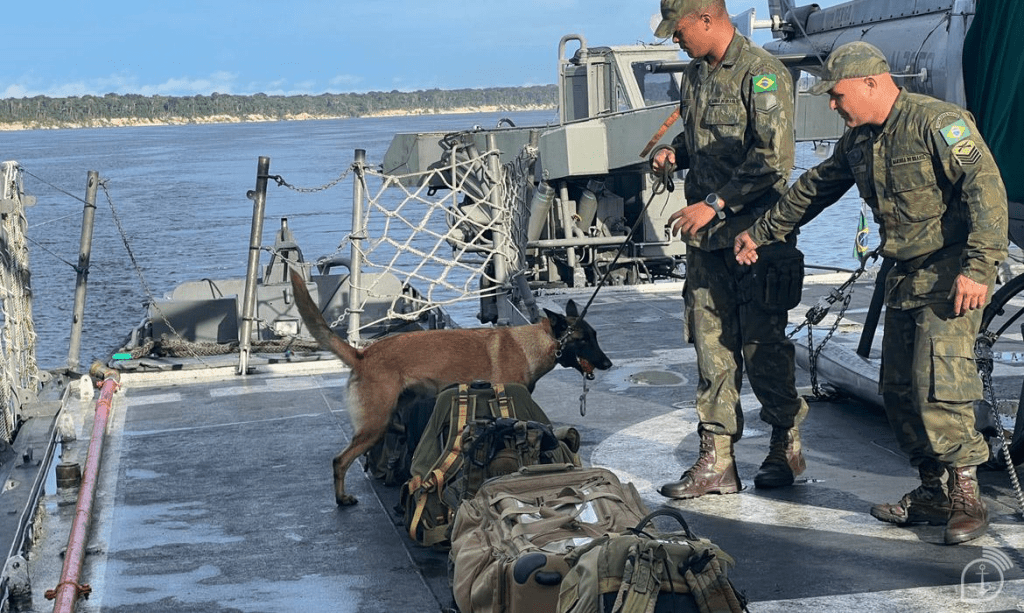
x,y
737,142
938,198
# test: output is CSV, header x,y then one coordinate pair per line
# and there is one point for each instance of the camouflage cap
x,y
674,10
851,61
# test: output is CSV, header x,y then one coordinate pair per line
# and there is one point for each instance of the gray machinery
x,y
588,182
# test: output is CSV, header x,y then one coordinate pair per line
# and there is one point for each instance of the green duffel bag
x,y
642,570
510,541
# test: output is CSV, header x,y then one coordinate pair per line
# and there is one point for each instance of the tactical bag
x,y
438,461
509,542
492,447
642,570
390,458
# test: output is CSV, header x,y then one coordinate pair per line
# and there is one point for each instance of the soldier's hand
x,y
691,218
745,249
663,157
968,295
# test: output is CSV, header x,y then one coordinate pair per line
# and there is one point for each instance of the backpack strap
x,y
641,578
711,589
504,404
436,478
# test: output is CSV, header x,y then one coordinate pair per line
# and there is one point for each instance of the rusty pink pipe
x,y
68,590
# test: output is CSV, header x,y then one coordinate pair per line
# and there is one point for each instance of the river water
x,y
179,195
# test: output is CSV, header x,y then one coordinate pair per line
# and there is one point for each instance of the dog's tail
x,y
318,326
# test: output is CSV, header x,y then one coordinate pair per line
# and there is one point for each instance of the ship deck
x,y
216,492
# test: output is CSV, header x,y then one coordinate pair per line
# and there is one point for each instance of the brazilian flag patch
x,y
955,132
765,83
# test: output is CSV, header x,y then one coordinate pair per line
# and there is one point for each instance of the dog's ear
x,y
571,310
558,323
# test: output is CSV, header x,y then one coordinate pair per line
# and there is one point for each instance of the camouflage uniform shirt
x,y
933,187
738,136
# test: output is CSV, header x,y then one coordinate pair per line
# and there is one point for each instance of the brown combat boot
x,y
928,503
785,460
969,517
714,472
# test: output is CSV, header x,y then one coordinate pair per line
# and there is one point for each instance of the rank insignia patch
x,y
967,152
765,83
955,132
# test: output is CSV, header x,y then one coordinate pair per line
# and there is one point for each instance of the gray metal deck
x,y
217,495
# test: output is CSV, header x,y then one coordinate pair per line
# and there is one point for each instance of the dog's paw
x,y
345,500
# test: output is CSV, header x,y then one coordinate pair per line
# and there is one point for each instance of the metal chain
x,y
814,352
583,399
1011,470
818,312
984,357
138,270
309,190
842,294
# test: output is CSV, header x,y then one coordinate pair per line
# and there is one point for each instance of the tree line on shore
x,y
43,111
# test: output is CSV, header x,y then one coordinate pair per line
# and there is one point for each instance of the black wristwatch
x,y
716,205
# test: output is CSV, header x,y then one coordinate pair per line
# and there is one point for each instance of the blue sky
x,y
189,47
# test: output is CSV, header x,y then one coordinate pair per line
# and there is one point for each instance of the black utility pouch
x,y
776,280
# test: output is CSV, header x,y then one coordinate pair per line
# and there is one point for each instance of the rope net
x,y
17,334
447,247
424,241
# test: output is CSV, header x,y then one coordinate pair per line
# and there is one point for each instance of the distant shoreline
x,y
126,122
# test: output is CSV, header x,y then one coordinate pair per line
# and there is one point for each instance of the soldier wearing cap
x,y
736,104
940,204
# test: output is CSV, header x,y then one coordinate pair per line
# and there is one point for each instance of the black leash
x,y
662,183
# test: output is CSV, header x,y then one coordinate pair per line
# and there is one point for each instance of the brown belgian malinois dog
x,y
425,362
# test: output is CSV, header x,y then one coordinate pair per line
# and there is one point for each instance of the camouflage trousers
x,y
730,333
930,382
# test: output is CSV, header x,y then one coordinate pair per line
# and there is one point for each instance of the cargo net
x,y
451,235
17,332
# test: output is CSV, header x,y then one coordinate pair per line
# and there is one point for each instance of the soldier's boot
x,y
785,459
714,472
928,503
969,517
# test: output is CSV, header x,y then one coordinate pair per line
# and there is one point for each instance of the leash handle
x,y
663,178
